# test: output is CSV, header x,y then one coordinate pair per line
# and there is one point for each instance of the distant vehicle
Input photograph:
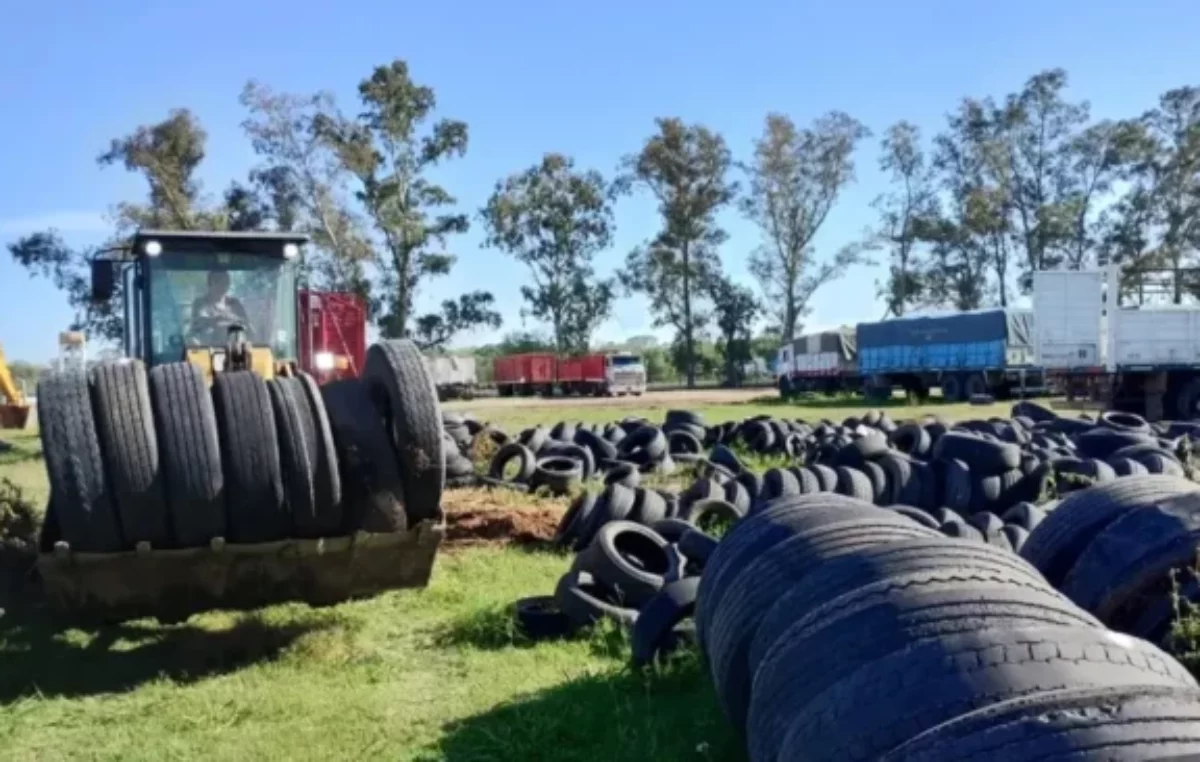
x,y
825,362
966,354
1141,358
598,374
453,376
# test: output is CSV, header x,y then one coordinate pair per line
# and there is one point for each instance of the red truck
x,y
333,334
598,374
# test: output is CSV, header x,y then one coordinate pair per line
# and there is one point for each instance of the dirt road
x,y
650,398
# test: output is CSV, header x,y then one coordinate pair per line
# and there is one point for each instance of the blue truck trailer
x,y
966,354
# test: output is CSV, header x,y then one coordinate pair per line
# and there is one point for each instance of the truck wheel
x,y
976,385
1188,401
78,489
374,494
952,389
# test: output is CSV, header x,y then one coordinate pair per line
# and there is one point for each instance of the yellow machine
x,y
14,411
219,300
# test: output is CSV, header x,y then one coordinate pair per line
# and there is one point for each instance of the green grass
x,y
409,675
513,418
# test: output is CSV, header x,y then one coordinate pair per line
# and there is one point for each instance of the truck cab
x,y
216,299
624,373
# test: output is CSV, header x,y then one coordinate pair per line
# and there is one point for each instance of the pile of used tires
x,y
157,458
837,630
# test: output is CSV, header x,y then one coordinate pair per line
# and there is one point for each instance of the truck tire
x,y
79,489
890,700
401,387
1188,400
975,386
294,437
125,425
1139,722
254,497
656,622
191,454
374,494
952,389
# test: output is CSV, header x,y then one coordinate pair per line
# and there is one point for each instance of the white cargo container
x,y
1143,358
453,376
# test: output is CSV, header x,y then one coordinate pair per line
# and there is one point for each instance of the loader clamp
x,y
175,491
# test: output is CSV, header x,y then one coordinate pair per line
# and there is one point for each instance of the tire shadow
x,y
39,656
666,713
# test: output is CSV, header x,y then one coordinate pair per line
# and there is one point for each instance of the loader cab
x,y
218,300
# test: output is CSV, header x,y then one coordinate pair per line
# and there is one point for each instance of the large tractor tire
x,y
327,481
81,502
125,424
189,446
254,498
402,389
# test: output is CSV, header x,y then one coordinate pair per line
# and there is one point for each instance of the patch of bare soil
x,y
501,527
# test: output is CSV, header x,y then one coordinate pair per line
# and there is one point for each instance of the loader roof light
x,y
152,248
290,251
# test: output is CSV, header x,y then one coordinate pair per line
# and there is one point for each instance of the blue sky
x,y
530,77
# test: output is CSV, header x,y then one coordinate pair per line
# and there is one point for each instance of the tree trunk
x,y
688,343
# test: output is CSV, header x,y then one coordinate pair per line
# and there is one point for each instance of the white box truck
x,y
1140,358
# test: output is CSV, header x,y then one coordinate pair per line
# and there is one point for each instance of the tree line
x,y
1008,186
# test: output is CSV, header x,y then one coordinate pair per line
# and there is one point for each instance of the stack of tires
x,y
835,630
1125,551
158,459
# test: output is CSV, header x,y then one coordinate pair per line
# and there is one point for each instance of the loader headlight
x,y
324,361
152,248
290,251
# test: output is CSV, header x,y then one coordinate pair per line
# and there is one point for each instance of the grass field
x,y
410,675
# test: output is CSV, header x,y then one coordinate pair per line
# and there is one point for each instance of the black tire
x,y
952,389
295,436
982,456
185,422
401,387
961,530
778,482
657,620
645,445
737,496
975,386
1025,515
1035,412
1134,557
987,523
904,486
578,453
1128,723
683,443
912,439
905,594
367,463
506,454
1063,535
327,479
254,499
955,479
649,507
539,618
878,480
585,601
558,474
574,520
917,515
629,559
535,439
120,393
79,490
826,477
623,473
757,534
1127,467
1127,422
697,546
935,681
1016,535
854,483
710,513
807,479
753,484
748,596
601,448
864,574
615,503
672,530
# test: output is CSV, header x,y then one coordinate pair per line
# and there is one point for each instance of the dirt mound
x,y
474,528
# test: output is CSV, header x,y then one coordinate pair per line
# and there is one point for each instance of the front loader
x,y
205,469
